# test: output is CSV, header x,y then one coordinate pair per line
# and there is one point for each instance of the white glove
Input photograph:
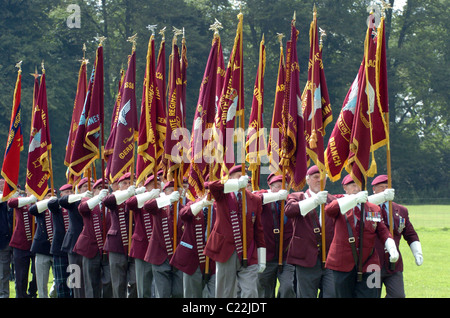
x,y
312,202
261,259
378,198
140,190
144,197
165,200
123,195
27,200
361,197
232,185
42,205
416,249
174,196
198,206
389,245
77,197
93,202
275,196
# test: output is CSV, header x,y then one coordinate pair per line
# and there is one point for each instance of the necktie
x,y
385,215
239,201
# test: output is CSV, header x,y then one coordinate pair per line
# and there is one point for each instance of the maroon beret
x,y
83,181
312,170
382,178
99,182
275,179
67,186
125,176
235,169
150,179
168,185
347,179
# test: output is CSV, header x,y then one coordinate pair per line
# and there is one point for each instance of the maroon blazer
x,y
402,227
340,256
189,253
117,236
143,226
22,234
221,243
303,250
91,240
160,247
270,219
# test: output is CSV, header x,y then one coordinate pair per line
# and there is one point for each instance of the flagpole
x,y
49,150
131,39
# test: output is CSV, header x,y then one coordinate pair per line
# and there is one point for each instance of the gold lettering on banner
x,y
129,85
127,150
334,153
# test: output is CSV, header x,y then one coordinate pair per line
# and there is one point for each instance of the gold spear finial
x,y
176,32
133,40
162,32
43,67
280,37
322,35
19,65
294,18
152,28
100,40
385,6
36,74
215,27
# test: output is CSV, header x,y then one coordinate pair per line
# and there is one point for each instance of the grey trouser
x,y
97,277
144,278
195,287
123,276
168,281
43,263
312,279
231,273
267,281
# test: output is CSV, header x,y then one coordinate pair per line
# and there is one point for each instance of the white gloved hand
x,y
392,250
270,197
361,197
261,259
93,202
144,197
43,204
131,190
174,196
140,190
77,197
198,206
416,249
27,200
243,182
282,194
312,202
379,198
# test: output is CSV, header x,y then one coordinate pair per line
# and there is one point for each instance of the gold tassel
x,y
313,140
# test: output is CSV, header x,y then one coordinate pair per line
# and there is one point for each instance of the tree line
x,y
417,51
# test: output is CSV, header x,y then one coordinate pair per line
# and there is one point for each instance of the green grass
x,y
432,279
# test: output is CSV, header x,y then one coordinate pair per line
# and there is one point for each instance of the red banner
x,y
87,138
14,145
317,112
230,107
276,128
78,104
126,130
294,153
38,164
256,144
204,121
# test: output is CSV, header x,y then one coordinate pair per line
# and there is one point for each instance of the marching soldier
x,y
225,244
189,257
305,250
90,243
168,280
392,278
141,236
60,217
344,255
42,240
122,268
70,203
21,243
6,227
270,219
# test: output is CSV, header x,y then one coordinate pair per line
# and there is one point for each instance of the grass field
x,y
432,279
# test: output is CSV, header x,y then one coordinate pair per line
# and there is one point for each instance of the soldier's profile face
x,y
124,184
379,187
275,186
313,182
352,188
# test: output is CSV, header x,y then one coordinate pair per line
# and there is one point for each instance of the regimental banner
x,y
14,145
